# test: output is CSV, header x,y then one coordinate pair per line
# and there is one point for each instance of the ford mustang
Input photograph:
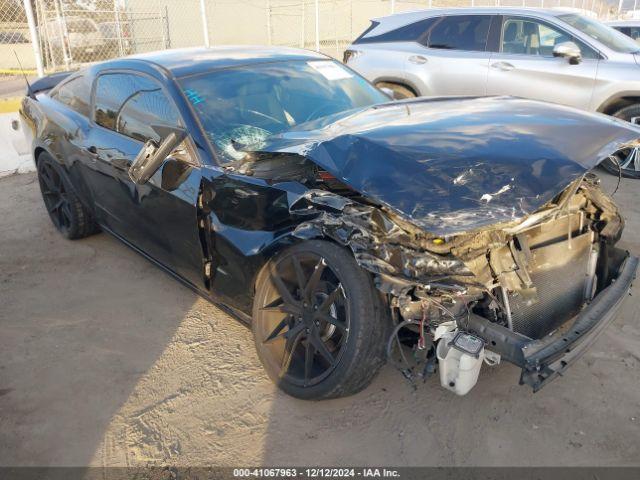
x,y
346,227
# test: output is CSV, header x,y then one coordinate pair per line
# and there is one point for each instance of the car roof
x,y
622,23
192,61
419,14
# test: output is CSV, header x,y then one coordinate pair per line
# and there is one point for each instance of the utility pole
x,y
269,40
35,41
205,23
302,24
317,25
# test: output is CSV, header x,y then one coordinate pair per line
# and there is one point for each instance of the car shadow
x,y
82,322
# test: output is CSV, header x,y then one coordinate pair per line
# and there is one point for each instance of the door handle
x,y
504,66
417,59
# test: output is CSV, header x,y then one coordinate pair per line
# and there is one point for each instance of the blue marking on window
x,y
193,96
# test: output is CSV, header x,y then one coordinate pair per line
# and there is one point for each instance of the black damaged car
x,y
345,227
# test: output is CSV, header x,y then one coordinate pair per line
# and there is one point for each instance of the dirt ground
x,y
106,360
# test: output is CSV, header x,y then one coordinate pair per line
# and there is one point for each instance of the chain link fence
x,y
70,33
15,41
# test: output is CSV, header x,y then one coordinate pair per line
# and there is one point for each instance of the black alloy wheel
x,y
308,314
68,215
307,321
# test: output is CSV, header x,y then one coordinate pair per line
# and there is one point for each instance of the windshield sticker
x,y
193,96
330,70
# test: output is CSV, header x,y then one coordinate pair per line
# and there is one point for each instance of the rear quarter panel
x,y
383,61
56,129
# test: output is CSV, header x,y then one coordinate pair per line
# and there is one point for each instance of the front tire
x,y
65,210
628,158
319,324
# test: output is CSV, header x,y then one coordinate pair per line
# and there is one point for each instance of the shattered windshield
x,y
240,107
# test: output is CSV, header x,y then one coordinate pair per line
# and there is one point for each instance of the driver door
x,y
525,66
160,217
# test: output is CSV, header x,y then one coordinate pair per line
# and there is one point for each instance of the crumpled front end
x,y
477,218
504,292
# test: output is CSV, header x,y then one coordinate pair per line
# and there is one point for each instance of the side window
x,y
634,32
461,32
75,93
530,37
413,32
135,106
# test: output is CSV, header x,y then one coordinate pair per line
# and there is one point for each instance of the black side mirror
x,y
151,156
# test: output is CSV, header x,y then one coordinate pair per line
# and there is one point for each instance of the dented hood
x,y
457,164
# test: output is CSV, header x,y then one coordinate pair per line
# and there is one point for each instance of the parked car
x,y
79,37
13,36
283,186
116,37
547,55
631,28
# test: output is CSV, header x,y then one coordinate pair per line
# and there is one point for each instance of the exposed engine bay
x,y
529,277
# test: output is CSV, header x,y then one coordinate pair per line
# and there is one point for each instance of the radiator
x,y
560,276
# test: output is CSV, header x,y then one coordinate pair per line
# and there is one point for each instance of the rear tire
x,y
629,159
72,219
319,324
400,91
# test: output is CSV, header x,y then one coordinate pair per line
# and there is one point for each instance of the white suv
x,y
547,55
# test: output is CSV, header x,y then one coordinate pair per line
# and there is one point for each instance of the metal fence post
x,y
119,31
335,29
317,25
64,35
35,41
303,21
268,22
350,18
393,6
45,35
205,23
163,15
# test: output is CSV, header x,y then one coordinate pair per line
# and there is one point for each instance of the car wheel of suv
x,y
400,91
319,324
628,158
68,215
